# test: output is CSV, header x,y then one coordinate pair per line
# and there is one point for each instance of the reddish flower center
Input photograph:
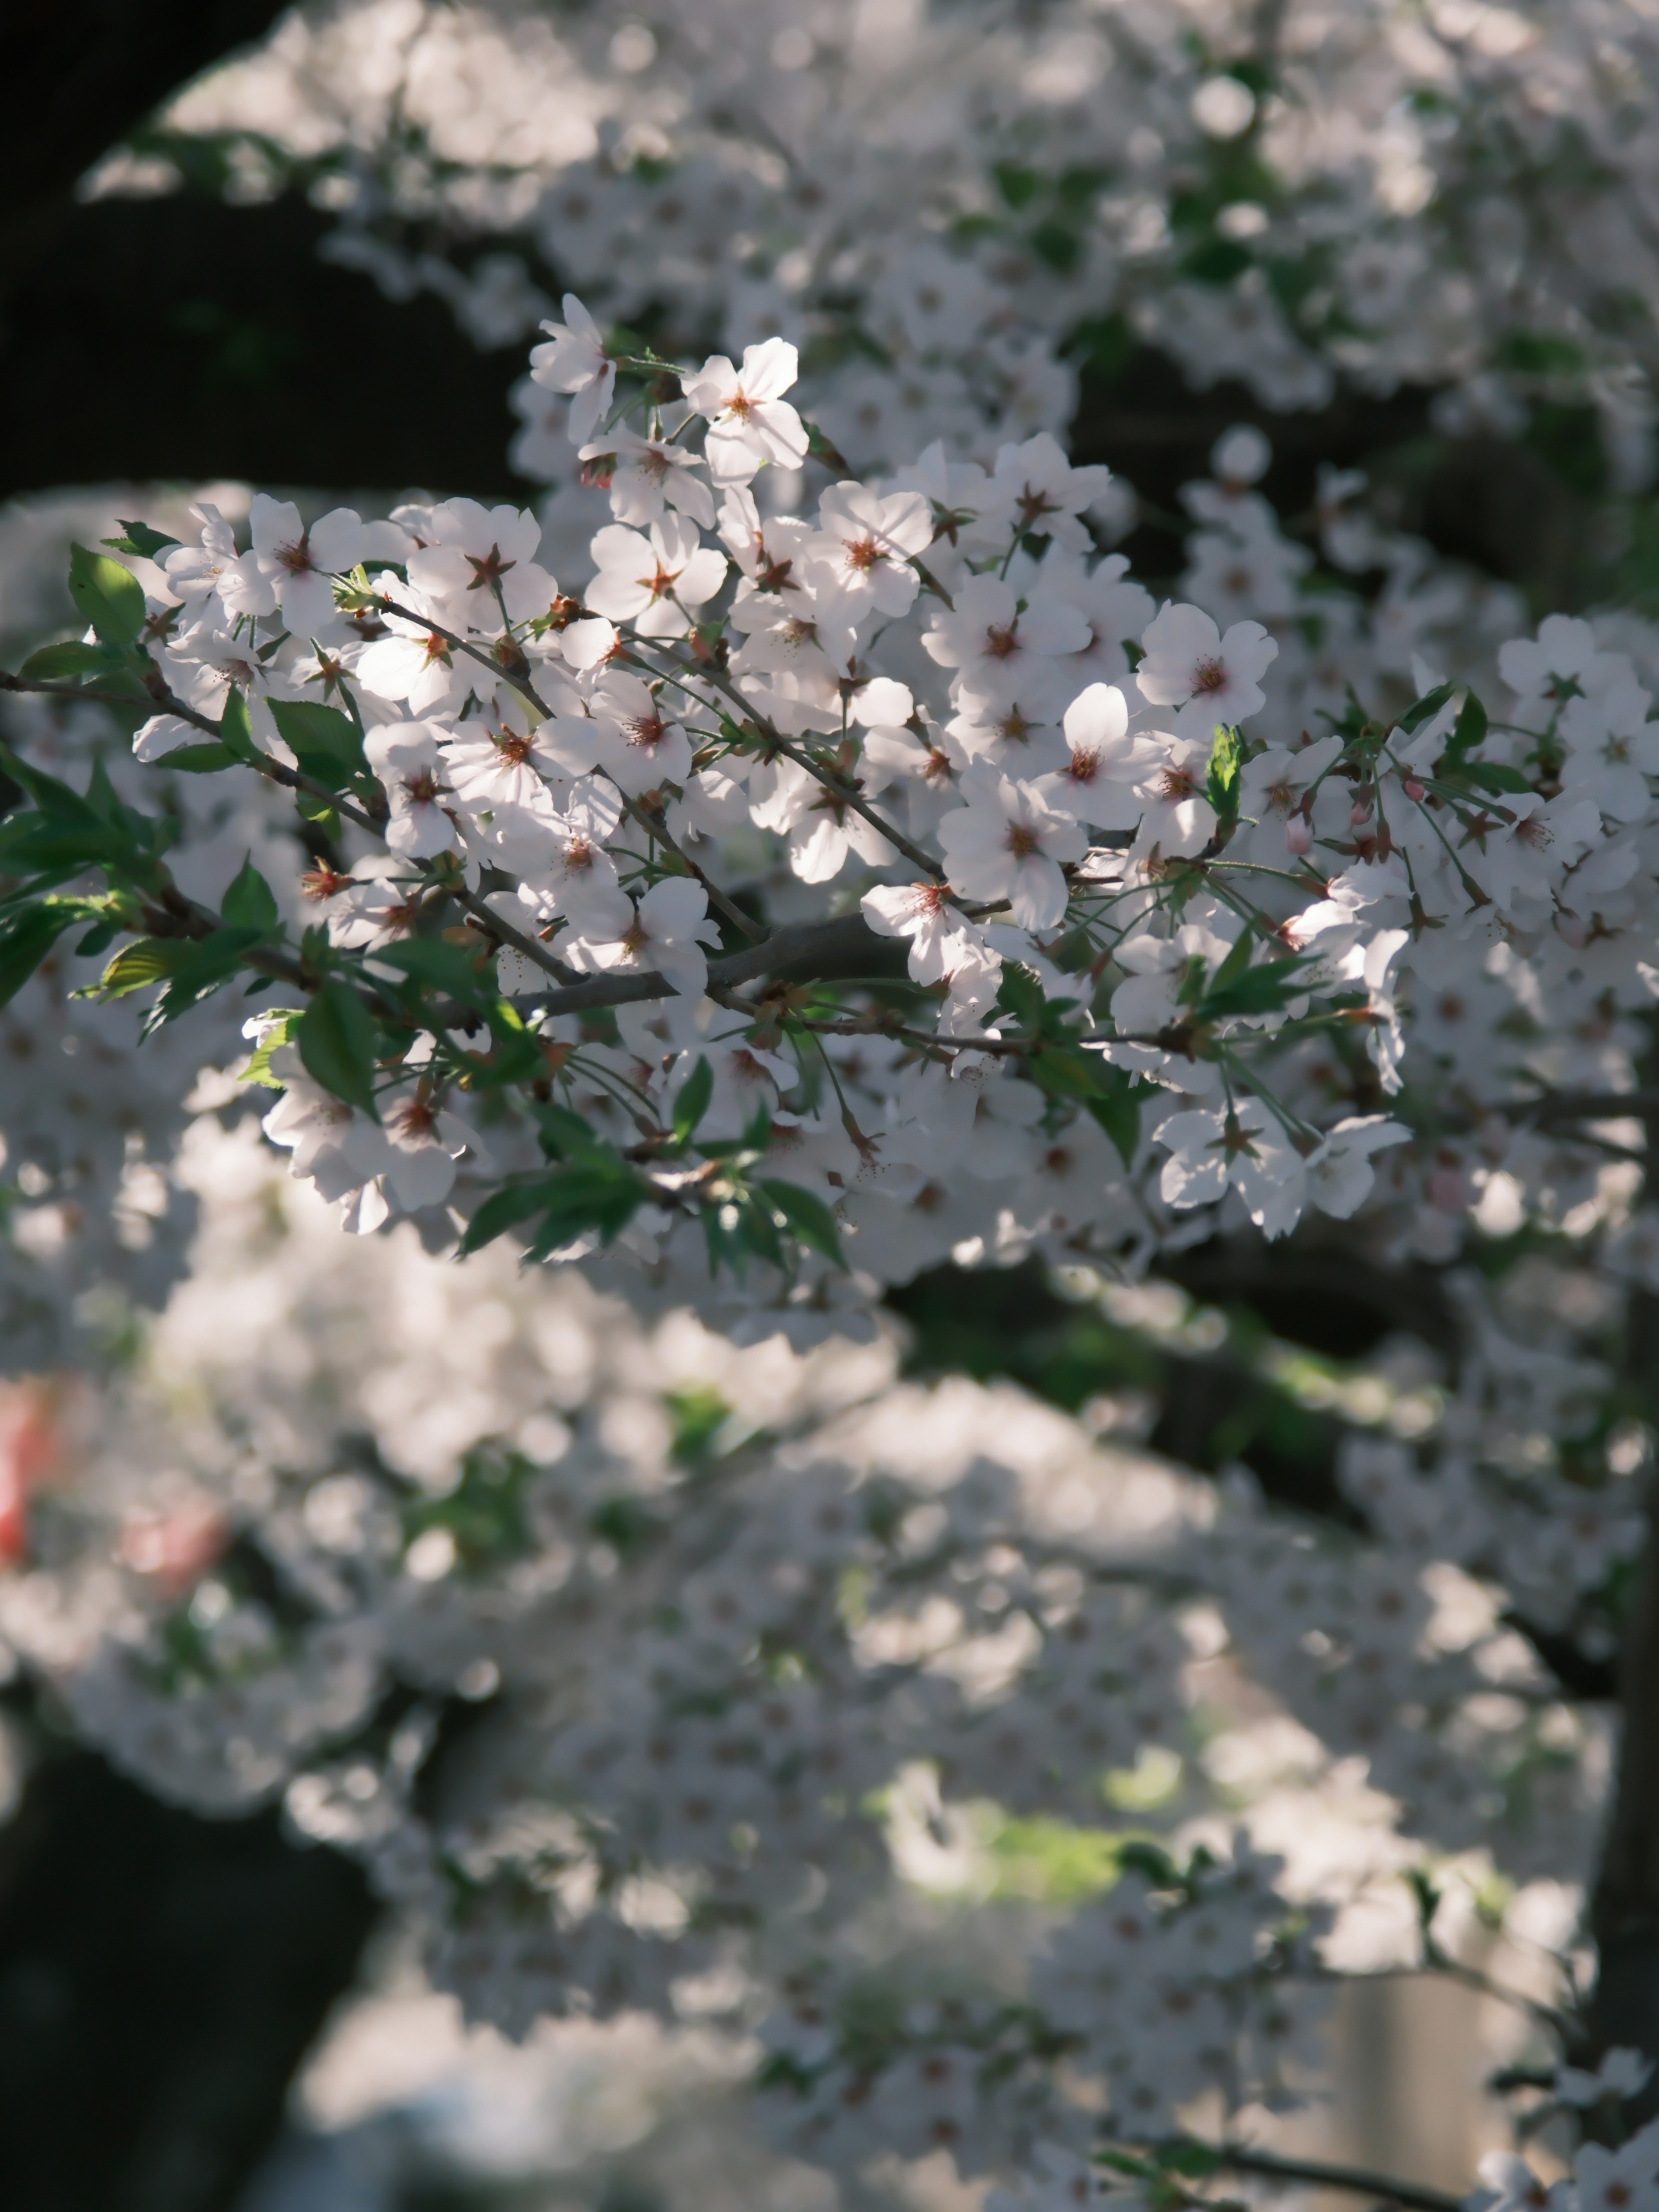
x,y
1208,676
488,569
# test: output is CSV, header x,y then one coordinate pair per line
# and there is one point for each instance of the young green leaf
x,y
52,664
147,960
140,538
107,596
324,741
26,937
336,1037
1115,1105
283,1021
205,759
1263,989
1469,733
441,965
1226,761
249,902
692,1103
235,732
1425,708
809,1219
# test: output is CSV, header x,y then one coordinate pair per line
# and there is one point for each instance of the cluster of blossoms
x,y
808,875
738,1687
879,883
768,1649
947,209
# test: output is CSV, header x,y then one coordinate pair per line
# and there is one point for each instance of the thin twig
x,y
1243,2157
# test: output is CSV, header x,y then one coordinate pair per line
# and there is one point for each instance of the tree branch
x,y
1242,2157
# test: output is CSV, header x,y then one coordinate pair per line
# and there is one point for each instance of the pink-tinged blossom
x,y
1045,494
750,421
1563,658
193,571
1214,1149
671,927
1207,679
1622,2180
1001,651
636,741
1008,842
922,912
645,475
1340,1171
1104,762
1176,818
495,763
405,757
479,562
575,361
652,581
414,663
859,555
290,564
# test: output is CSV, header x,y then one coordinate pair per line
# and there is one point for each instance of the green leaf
x,y
336,1037
1226,760
1469,733
1194,2158
250,903
502,1209
1117,1106
324,742
1425,708
204,963
1493,775
199,759
440,965
565,1135
53,662
1262,989
692,1101
147,960
1064,1070
107,596
26,937
809,1219
138,537
284,1021
600,1191
235,732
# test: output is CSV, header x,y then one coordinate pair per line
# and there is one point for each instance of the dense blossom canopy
x,y
800,853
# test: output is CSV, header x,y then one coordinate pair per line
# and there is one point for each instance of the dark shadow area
x,y
161,1977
